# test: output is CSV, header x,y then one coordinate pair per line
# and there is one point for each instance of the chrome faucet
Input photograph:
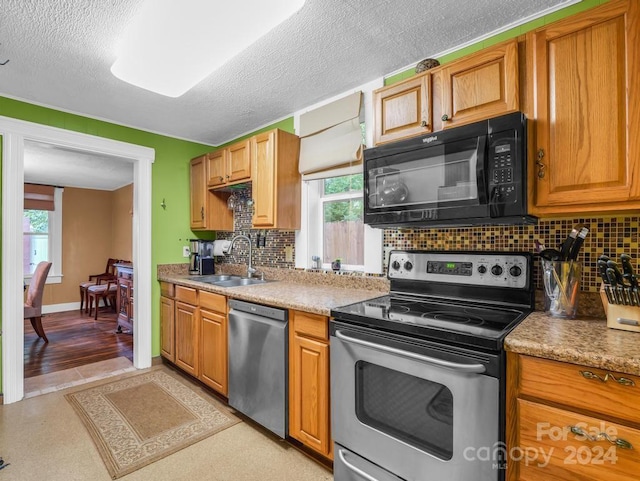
x,y
250,270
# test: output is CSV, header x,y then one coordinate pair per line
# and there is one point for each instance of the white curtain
x,y
331,138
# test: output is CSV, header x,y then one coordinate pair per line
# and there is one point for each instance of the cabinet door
x,y
481,85
167,329
187,330
239,162
587,110
198,192
309,404
263,148
217,168
403,109
213,344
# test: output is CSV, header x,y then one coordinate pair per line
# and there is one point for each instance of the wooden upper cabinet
x,y
587,109
403,109
276,180
480,86
216,168
229,166
198,192
208,210
239,162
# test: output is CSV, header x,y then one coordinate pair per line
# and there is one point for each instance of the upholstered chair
x,y
33,304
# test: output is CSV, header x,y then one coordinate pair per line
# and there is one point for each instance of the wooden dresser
x,y
124,300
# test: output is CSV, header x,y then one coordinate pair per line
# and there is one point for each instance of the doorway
x,y
14,134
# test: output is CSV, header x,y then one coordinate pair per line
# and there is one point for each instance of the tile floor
x,y
43,438
56,381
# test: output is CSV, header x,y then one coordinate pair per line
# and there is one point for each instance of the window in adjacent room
x,y
42,230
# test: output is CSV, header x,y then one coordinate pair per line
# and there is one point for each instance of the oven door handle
x,y
456,366
353,468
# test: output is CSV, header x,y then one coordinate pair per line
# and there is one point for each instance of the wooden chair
x,y
33,305
107,291
94,279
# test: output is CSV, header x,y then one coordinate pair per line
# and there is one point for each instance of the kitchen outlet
x,y
288,253
185,251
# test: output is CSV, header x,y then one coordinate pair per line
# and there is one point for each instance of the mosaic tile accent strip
x,y
276,244
607,235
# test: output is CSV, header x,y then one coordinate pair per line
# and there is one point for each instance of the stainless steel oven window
x,y
416,411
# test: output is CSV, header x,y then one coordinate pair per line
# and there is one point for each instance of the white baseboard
x,y
69,306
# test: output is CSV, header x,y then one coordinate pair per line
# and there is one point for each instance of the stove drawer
x,y
595,390
348,466
550,450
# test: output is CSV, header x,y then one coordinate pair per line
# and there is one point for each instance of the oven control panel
x,y
475,268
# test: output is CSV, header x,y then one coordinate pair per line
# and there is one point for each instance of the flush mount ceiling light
x,y
171,45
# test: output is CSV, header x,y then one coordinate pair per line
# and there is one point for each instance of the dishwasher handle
x,y
259,310
456,366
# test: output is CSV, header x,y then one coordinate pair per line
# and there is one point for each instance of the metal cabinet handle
x,y
424,123
445,118
456,366
227,176
353,468
620,380
221,179
540,164
202,213
619,442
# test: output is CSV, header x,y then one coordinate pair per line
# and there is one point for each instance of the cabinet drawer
x,y
552,451
610,393
312,325
187,294
213,302
167,290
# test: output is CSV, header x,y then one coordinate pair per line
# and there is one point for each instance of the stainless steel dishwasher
x,y
258,347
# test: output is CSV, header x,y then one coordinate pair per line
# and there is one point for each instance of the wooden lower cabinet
x,y
309,401
187,329
167,328
213,342
568,422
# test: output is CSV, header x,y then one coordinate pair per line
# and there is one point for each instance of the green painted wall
x,y
170,181
509,34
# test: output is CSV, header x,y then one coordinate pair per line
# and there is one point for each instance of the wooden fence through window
x,y
344,240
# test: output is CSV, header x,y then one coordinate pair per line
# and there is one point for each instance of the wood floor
x,y
75,339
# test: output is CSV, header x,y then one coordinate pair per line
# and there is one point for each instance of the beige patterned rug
x,y
138,420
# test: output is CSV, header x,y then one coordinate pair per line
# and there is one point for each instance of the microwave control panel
x,y
502,172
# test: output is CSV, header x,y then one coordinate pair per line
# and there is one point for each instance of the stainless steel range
x,y
418,376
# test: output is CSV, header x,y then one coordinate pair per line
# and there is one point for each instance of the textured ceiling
x,y
60,53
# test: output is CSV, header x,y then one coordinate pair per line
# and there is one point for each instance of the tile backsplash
x,y
607,235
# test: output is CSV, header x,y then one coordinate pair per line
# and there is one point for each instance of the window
x,y
341,210
334,228
42,239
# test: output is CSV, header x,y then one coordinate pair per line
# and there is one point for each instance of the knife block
x,y
620,316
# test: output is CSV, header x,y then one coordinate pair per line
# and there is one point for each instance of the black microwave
x,y
469,175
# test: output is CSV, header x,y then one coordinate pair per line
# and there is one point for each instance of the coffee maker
x,y
201,257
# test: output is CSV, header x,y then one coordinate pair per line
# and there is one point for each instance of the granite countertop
x,y
317,298
585,341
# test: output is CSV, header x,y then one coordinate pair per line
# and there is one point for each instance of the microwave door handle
x,y
481,169
455,366
353,468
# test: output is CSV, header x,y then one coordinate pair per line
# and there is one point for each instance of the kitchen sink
x,y
212,279
228,281
241,281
